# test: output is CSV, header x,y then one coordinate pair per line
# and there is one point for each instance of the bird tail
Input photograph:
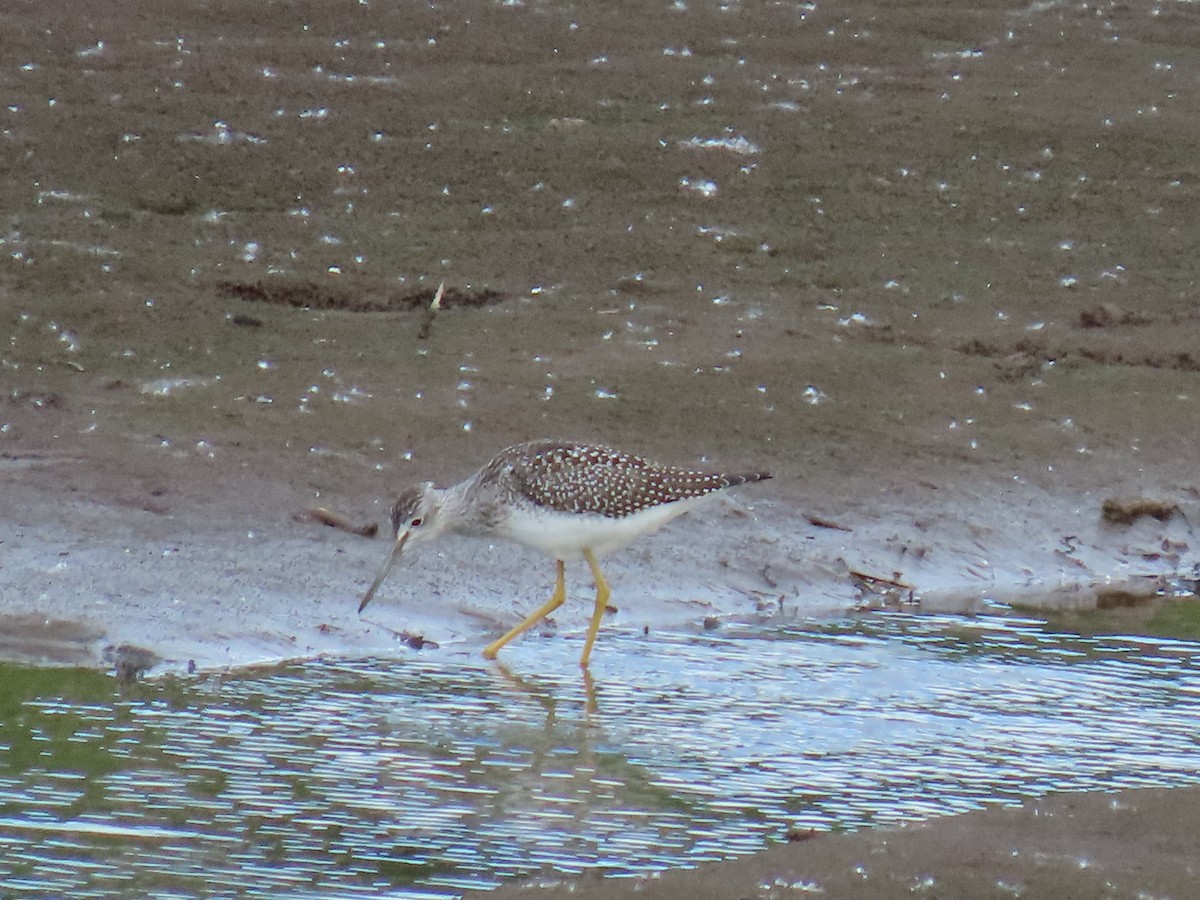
x,y
746,478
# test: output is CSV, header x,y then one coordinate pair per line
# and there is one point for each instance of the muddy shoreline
x,y
92,574
1125,844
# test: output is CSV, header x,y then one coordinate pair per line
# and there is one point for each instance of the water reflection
x,y
435,773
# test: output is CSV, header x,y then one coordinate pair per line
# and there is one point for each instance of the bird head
x,y
416,517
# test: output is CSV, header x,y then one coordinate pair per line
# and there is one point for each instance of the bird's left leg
x,y
602,594
560,594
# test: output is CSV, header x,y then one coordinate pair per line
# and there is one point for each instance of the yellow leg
x,y
560,594
602,594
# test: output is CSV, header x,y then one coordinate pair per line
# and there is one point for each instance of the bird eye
x,y
415,523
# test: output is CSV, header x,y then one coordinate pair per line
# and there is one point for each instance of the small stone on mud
x,y
1104,315
795,834
416,641
1120,598
1127,510
1019,365
130,661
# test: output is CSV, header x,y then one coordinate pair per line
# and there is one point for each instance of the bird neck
x,y
455,507
470,507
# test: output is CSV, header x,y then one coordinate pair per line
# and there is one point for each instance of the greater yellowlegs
x,y
571,501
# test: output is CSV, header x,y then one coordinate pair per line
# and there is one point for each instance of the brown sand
x,y
1133,844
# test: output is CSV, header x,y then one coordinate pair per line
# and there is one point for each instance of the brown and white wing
x,y
586,478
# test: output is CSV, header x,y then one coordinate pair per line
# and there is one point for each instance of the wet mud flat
x,y
213,583
933,271
948,303
1133,844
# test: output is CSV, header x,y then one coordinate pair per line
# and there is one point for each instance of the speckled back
x,y
582,478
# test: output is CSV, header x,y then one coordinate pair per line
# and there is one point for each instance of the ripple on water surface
x,y
434,774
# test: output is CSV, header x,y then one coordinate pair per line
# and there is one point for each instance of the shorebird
x,y
570,501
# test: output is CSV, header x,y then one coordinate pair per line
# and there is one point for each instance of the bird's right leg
x,y
560,594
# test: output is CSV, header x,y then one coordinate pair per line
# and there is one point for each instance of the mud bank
x,y
1127,844
202,580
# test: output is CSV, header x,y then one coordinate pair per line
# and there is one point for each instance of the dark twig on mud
x,y
323,516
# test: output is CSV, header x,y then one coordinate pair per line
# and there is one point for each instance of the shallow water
x,y
434,773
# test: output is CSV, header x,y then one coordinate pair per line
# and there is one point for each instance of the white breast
x,y
566,535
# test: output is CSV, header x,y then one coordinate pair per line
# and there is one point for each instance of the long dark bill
x,y
383,571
